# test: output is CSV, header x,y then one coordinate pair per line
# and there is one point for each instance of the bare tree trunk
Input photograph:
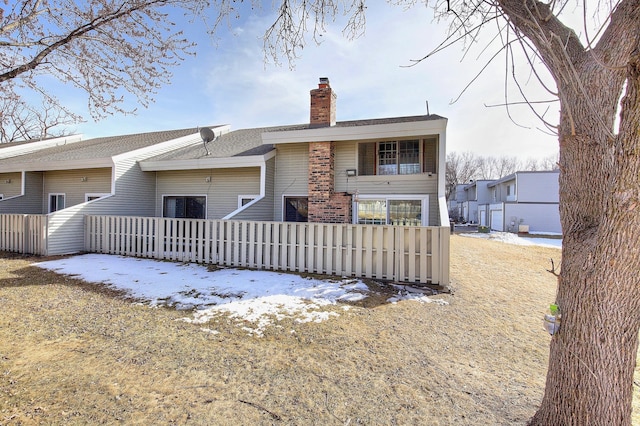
x,y
593,356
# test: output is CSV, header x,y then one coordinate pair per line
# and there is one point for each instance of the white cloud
x,y
231,84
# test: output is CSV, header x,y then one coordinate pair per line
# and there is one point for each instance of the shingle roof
x,y
233,144
238,143
368,122
104,147
246,142
28,141
390,120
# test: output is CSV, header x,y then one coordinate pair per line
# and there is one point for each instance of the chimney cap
x,y
324,82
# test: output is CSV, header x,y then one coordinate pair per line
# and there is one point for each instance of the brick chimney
x,y
325,205
323,105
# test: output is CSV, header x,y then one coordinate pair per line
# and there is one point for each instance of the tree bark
x,y
593,356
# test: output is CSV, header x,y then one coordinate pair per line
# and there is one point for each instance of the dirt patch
x,y
78,353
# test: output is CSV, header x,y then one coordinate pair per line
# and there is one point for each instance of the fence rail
x,y
25,234
397,253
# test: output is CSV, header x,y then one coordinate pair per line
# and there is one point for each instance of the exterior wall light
x,y
351,172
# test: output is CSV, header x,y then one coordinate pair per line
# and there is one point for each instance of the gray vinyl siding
x,y
292,169
32,198
263,209
70,183
31,202
13,187
539,217
346,158
418,184
538,187
66,227
483,194
134,196
222,191
135,193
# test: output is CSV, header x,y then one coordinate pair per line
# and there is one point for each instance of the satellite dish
x,y
207,136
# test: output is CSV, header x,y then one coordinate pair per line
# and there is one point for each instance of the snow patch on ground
x,y
511,238
256,298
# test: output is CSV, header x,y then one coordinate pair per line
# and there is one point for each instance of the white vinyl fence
x,y
22,233
396,253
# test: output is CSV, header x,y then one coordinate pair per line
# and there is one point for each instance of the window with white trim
x,y
56,202
392,211
296,209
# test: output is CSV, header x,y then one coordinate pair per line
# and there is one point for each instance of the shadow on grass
x,y
17,270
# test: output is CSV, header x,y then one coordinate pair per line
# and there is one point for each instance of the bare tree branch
x,y
108,49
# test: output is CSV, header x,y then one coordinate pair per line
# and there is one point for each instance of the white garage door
x,y
496,220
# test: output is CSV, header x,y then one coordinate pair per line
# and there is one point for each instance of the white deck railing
x,y
396,253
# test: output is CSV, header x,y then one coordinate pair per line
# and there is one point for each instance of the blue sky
x,y
228,82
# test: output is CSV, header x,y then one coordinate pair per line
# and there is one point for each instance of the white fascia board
x,y
508,178
29,147
365,132
94,163
206,163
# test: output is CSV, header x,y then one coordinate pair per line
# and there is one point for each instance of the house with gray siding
x,y
229,177
387,171
67,181
376,171
468,196
525,201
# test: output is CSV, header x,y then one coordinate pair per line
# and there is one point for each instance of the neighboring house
x,y
468,197
378,171
523,202
69,180
476,193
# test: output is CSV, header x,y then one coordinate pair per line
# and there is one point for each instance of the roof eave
x,y
364,132
59,165
206,163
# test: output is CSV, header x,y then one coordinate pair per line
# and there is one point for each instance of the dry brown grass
x,y
76,353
